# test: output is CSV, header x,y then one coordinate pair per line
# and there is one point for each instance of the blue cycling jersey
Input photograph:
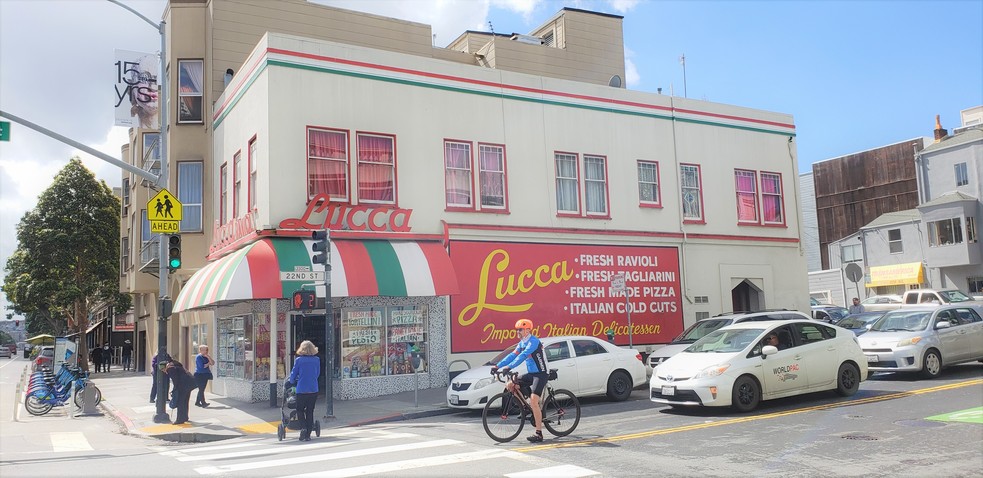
x,y
530,350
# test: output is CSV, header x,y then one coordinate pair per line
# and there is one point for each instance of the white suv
x,y
705,326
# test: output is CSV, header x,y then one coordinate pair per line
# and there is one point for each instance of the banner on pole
x,y
136,89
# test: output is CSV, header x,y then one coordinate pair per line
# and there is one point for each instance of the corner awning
x,y
358,268
896,274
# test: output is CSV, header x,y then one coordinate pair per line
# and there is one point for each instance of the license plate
x,y
668,391
871,358
454,399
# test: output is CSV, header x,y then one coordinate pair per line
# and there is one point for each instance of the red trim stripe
x,y
359,272
441,269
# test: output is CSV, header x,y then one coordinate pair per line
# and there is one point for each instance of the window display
x,y
232,345
380,341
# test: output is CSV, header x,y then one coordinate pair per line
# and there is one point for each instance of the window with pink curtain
x,y
772,208
492,176
457,174
747,195
376,169
327,164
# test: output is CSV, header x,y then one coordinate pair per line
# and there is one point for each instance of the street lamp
x,y
161,415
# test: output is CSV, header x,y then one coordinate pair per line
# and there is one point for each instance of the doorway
x,y
308,327
746,297
141,357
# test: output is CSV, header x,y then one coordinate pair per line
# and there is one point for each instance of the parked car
x,y
916,297
5,351
829,313
882,302
732,366
45,358
857,323
705,326
924,339
585,366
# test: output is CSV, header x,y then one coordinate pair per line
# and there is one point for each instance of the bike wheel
x,y
97,395
503,417
561,413
35,406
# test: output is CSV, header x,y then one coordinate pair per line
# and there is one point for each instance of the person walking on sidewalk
x,y
127,352
107,357
304,375
184,383
203,373
97,359
159,368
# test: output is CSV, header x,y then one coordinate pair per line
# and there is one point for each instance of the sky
x,y
855,75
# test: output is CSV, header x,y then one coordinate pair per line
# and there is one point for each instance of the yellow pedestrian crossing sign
x,y
164,212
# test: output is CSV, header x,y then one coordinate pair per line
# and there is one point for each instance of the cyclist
x,y
530,350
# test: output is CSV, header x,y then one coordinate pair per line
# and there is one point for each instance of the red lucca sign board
x,y
564,290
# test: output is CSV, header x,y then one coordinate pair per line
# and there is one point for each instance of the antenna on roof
x,y
490,27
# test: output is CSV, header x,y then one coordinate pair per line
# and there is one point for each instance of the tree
x,y
67,256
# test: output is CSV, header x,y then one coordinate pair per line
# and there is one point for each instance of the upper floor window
x,y
223,184
691,191
457,174
491,176
962,175
126,196
945,232
190,191
252,174
237,177
972,235
145,234
772,198
327,164
851,253
376,169
745,182
567,183
191,81
648,183
151,152
894,241
596,185
124,256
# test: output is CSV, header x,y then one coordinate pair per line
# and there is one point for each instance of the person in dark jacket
x,y
304,375
127,353
97,359
157,368
184,383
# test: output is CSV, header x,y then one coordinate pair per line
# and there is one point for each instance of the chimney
x,y
940,133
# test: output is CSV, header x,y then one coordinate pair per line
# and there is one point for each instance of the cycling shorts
x,y
534,383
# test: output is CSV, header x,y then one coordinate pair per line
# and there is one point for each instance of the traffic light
x,y
174,252
320,247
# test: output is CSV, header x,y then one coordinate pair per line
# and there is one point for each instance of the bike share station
x,y
64,383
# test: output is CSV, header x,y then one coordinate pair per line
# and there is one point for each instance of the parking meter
x,y
416,357
610,334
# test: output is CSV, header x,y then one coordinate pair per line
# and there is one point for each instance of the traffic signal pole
x,y
322,255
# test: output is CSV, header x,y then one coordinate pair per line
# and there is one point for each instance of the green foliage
x,y
67,256
5,338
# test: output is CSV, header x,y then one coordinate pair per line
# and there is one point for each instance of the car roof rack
x,y
745,312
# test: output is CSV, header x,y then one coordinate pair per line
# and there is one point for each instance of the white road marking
x,y
409,464
566,471
290,449
69,441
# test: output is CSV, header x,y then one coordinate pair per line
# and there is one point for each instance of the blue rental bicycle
x,y
47,390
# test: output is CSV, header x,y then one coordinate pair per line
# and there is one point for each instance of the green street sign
x,y
4,130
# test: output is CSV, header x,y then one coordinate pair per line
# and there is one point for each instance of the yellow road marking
x,y
259,428
164,428
731,421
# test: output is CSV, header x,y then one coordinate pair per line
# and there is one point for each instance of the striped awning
x,y
358,268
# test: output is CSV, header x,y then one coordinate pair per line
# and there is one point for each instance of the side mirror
x,y
868,326
768,350
943,324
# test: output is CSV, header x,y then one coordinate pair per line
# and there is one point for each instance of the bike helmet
x,y
523,324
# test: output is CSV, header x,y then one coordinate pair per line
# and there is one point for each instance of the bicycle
x,y
505,413
47,390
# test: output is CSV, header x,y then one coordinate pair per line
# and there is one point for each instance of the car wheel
x,y
619,386
931,364
746,394
847,379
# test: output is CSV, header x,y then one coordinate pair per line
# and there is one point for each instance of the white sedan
x,y
732,366
585,366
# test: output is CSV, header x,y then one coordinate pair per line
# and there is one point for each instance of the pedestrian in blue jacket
x,y
304,375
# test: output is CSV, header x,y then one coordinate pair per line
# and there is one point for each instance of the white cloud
x,y
632,78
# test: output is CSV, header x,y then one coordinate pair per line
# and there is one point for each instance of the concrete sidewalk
x,y
126,395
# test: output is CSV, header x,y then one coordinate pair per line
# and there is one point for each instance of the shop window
x,y
745,182
945,232
648,184
327,164
376,169
377,341
894,241
190,88
234,346
692,195
261,344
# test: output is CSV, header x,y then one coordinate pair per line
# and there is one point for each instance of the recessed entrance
x,y
746,297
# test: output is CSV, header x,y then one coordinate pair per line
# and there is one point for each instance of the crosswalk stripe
x,y
69,441
210,470
566,471
292,448
408,464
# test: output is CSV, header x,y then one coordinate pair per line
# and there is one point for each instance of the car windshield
x,y
837,312
858,321
909,321
699,330
725,341
955,296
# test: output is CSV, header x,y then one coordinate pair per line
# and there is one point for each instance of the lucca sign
x,y
321,214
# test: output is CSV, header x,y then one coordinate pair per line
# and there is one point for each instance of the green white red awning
x,y
358,268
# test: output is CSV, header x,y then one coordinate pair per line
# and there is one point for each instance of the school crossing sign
x,y
164,213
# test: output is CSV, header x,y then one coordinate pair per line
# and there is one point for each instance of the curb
x,y
398,417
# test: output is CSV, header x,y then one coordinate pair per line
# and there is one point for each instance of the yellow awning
x,y
896,274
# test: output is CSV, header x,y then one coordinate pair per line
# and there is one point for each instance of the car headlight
x,y
713,371
483,383
910,341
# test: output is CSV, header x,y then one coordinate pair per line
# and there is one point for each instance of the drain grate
x,y
859,437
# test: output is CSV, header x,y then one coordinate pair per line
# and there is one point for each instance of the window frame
x,y
223,177
962,174
699,196
124,255
576,181
236,184
780,195
657,203
186,203
359,162
253,174
972,234
956,230
311,193
892,242
470,173
854,248
200,94
479,183
753,194
606,214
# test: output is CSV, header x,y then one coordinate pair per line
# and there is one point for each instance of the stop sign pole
x,y
618,284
